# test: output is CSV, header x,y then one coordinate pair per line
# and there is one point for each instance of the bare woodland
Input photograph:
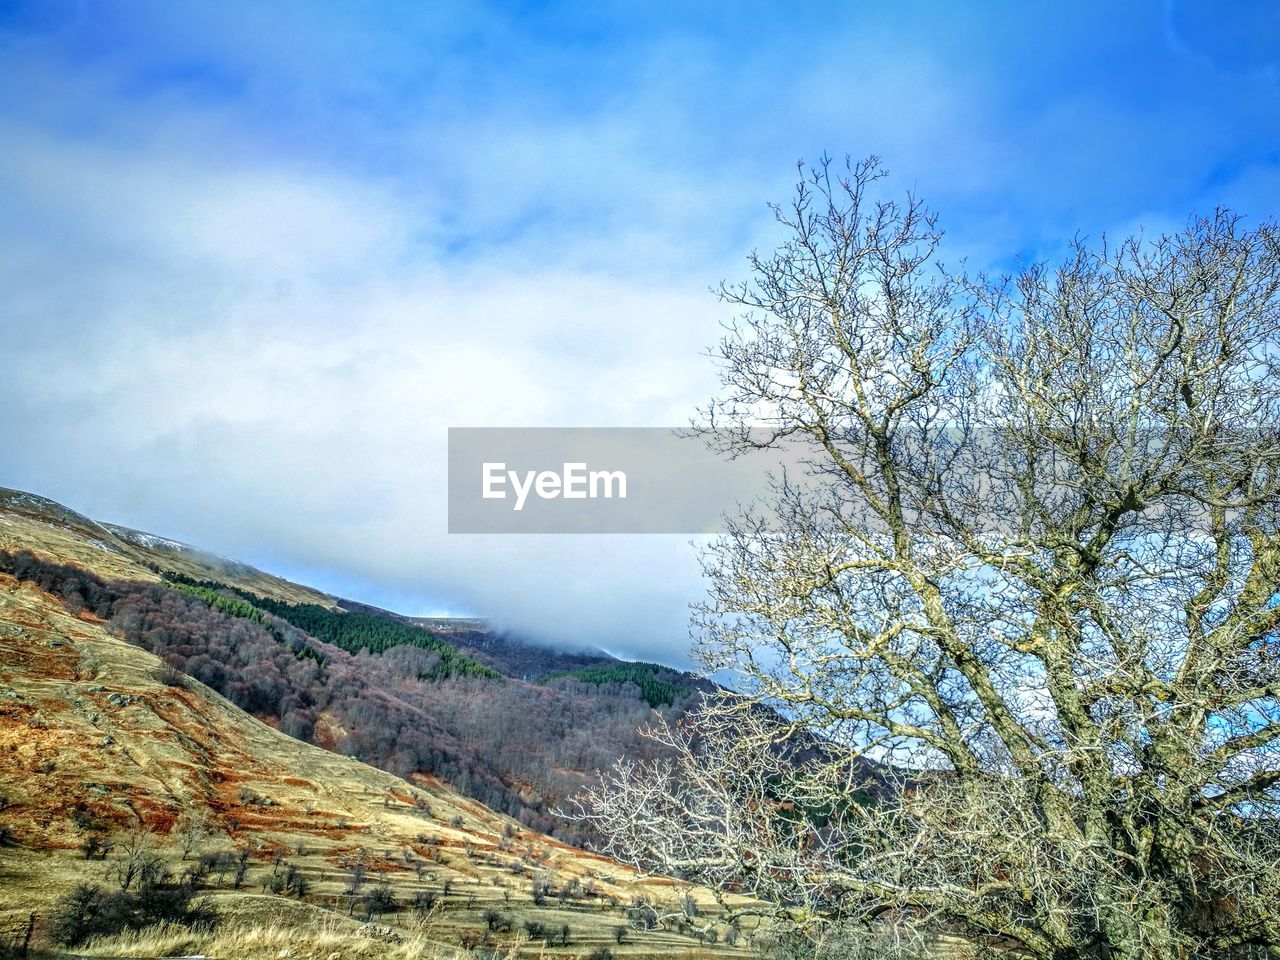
x,y
1007,653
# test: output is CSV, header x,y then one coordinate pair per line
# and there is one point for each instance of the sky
x,y
257,258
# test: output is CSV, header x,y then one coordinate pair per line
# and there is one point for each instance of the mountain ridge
x,y
154,551
521,743
107,754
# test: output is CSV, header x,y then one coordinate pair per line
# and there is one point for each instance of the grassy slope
x,y
30,522
64,746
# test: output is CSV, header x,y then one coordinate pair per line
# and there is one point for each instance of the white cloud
x,y
255,265
256,360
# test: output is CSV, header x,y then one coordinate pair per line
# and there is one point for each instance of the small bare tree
x,y
191,830
1030,568
138,866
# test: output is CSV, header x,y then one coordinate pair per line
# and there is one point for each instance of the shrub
x,y
539,888
424,902
95,846
379,900
290,881
89,911
169,675
497,922
83,818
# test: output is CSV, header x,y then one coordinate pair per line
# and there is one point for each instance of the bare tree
x,y
191,830
1030,567
241,868
379,900
425,903
138,865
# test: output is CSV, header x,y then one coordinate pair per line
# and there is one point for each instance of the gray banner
x,y
594,480
964,483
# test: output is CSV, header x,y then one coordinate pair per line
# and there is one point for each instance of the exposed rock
x,y
377,931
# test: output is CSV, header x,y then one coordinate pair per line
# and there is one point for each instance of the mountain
x,y
28,521
515,725
508,654
110,760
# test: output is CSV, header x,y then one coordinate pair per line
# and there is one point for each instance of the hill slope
x,y
32,522
385,689
99,738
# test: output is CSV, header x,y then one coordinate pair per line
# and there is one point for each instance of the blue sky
x,y
259,257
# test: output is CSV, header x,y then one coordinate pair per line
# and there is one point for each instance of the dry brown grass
x,y
330,938
67,752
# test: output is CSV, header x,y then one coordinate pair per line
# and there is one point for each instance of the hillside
x,y
510,655
32,522
103,744
517,726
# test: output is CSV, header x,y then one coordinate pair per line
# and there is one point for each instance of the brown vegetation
x,y
97,747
